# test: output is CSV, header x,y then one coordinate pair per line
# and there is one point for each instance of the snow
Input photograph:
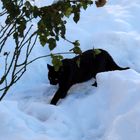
x,y
108,112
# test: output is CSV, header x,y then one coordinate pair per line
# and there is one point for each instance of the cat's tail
x,y
114,66
123,68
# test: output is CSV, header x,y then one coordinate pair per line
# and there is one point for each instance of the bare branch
x,y
2,43
3,13
24,37
33,34
40,57
6,64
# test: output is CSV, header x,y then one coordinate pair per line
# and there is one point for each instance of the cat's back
x,y
68,63
85,57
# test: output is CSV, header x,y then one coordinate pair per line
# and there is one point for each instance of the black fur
x,y
71,72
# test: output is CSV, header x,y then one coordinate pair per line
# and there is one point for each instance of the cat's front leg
x,y
60,94
56,97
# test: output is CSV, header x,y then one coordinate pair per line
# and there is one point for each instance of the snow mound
x,y
108,112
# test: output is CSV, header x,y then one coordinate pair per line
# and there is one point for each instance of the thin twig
x,y
48,56
24,37
3,13
6,64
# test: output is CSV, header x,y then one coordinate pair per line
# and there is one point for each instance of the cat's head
x,y
52,75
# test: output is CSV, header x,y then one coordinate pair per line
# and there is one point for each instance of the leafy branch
x,y
24,24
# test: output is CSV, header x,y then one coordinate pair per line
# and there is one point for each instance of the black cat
x,y
79,69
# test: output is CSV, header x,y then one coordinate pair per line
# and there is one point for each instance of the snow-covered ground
x,y
109,112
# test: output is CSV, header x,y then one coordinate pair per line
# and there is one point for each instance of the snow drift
x,y
110,111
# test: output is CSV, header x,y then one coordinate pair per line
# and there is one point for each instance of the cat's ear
x,y
49,66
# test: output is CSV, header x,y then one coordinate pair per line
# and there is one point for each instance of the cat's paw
x,y
95,84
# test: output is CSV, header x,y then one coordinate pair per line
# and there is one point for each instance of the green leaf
x,y
35,11
68,12
76,43
21,27
41,25
27,13
57,61
52,43
63,31
97,51
28,4
43,40
77,50
84,5
76,17
24,9
15,35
